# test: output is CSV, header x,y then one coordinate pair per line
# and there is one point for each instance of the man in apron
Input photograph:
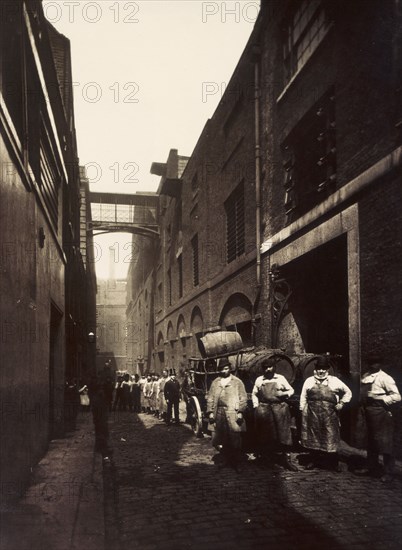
x,y
148,393
161,396
378,393
272,414
321,399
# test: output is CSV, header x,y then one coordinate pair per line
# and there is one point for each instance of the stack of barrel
x,y
247,364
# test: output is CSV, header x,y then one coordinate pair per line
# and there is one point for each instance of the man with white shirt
x,y
378,393
271,412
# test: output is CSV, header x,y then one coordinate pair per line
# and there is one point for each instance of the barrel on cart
x,y
203,371
220,344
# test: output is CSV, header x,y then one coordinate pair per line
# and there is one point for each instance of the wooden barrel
x,y
305,364
251,365
220,343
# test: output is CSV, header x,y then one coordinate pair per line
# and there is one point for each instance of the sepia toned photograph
x,y
201,275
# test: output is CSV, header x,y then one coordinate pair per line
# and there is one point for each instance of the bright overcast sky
x,y
147,75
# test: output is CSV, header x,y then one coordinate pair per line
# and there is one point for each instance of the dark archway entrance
x,y
317,310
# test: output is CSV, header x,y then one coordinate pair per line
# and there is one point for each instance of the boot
x,y
288,464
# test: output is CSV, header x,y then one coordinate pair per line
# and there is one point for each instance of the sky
x,y
147,75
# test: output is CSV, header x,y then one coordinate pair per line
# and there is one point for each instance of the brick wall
x,y
361,70
222,159
380,221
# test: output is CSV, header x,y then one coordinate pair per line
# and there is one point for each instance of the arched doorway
x,y
182,342
236,315
160,353
171,348
197,330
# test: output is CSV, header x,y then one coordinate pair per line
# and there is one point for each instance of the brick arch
x,y
170,331
197,329
236,314
181,325
160,355
197,320
237,308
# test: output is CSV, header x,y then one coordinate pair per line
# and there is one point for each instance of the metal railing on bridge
x,y
135,213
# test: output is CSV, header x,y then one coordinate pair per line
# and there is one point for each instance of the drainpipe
x,y
256,55
256,59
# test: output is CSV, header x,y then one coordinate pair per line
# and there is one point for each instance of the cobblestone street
x,y
169,494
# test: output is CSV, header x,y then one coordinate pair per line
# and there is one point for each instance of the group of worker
x,y
160,396
322,397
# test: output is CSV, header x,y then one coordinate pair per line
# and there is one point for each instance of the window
x,y
194,246
12,56
235,228
303,32
309,159
169,277
25,101
180,274
160,297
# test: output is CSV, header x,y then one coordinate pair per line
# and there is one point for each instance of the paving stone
x,y
163,491
312,503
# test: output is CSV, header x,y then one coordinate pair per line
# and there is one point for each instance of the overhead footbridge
x,y
117,212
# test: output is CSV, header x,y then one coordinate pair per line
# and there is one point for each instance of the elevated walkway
x,y
117,212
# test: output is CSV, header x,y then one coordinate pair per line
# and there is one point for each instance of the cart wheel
x,y
196,417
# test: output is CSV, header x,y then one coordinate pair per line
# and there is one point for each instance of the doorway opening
x,y
316,319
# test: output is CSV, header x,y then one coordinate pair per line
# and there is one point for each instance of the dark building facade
x,y
285,223
141,294
43,318
331,165
88,295
206,277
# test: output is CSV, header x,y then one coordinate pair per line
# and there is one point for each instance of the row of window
x,y
309,171
309,152
235,245
26,103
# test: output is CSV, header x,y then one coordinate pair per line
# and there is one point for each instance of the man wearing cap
x,y
172,396
321,399
271,412
378,393
226,401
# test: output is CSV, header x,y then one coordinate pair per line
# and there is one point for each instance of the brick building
x,y
44,320
206,277
111,325
331,166
285,222
205,274
141,303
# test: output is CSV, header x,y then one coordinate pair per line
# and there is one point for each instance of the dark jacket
x,y
172,390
